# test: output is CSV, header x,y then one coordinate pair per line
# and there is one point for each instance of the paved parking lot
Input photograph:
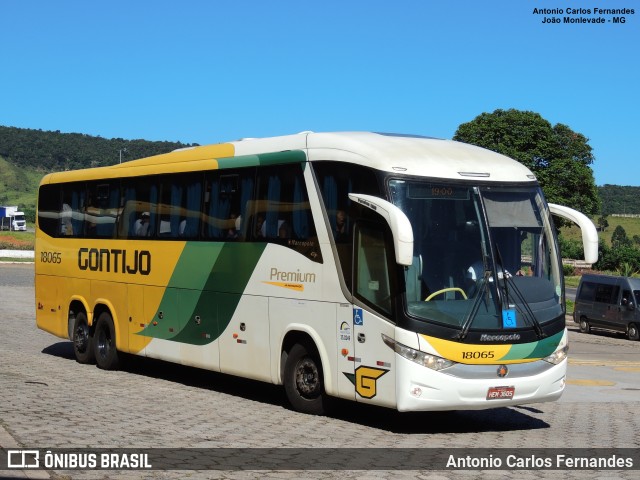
x,y
47,400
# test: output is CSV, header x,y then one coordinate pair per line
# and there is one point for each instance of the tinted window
x,y
281,211
336,180
72,213
227,201
101,209
178,211
599,292
587,291
269,204
49,209
607,293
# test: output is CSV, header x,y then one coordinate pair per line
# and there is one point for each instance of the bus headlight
x,y
559,355
421,358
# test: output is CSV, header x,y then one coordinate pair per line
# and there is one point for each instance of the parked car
x,y
608,303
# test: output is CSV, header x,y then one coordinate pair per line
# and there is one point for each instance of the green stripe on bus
x,y
278,158
547,346
195,309
539,349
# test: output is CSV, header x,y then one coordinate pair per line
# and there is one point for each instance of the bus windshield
x,y
485,258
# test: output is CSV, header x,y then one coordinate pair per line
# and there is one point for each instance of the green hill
x,y
618,199
18,186
26,155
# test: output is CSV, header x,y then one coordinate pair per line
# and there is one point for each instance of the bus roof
x,y
411,155
403,154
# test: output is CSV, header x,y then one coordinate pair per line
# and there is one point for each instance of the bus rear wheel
x,y
632,332
303,380
82,339
104,343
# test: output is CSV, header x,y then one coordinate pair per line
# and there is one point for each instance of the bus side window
x,y
72,213
140,196
227,204
49,210
101,209
282,211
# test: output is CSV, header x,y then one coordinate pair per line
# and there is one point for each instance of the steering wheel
x,y
444,290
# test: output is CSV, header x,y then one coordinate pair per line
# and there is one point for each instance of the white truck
x,y
12,219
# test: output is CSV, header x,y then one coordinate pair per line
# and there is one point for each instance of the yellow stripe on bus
x,y
470,353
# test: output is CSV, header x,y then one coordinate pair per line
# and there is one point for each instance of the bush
x,y
570,248
569,270
615,259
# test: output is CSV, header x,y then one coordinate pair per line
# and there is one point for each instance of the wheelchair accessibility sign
x,y
357,316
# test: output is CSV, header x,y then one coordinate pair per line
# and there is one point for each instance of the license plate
x,y
500,393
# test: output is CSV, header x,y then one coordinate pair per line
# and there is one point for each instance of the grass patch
x,y
572,281
631,227
570,306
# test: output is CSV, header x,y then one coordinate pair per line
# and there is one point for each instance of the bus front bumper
x,y
477,387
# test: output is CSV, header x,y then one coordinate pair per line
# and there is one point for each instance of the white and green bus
x,y
406,272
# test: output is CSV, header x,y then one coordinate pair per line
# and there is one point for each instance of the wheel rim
x,y
82,338
104,343
633,332
308,378
583,325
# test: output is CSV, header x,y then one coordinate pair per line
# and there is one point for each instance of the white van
x,y
608,303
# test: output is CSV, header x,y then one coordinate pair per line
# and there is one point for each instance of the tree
x,y
559,157
603,223
619,238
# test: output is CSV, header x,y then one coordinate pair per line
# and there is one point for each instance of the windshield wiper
x,y
484,289
464,330
528,314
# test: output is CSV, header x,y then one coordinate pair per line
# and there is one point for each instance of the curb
x,y
17,254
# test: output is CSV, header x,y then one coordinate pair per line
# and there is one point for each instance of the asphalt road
x,y
48,400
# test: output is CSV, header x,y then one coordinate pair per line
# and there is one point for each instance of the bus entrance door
x,y
374,377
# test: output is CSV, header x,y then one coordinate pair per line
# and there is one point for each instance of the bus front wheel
x,y
82,340
303,381
104,343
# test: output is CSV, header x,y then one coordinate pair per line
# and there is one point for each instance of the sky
x,y
210,71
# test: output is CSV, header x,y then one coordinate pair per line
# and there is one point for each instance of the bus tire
x,y
632,332
584,325
303,380
104,343
82,339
